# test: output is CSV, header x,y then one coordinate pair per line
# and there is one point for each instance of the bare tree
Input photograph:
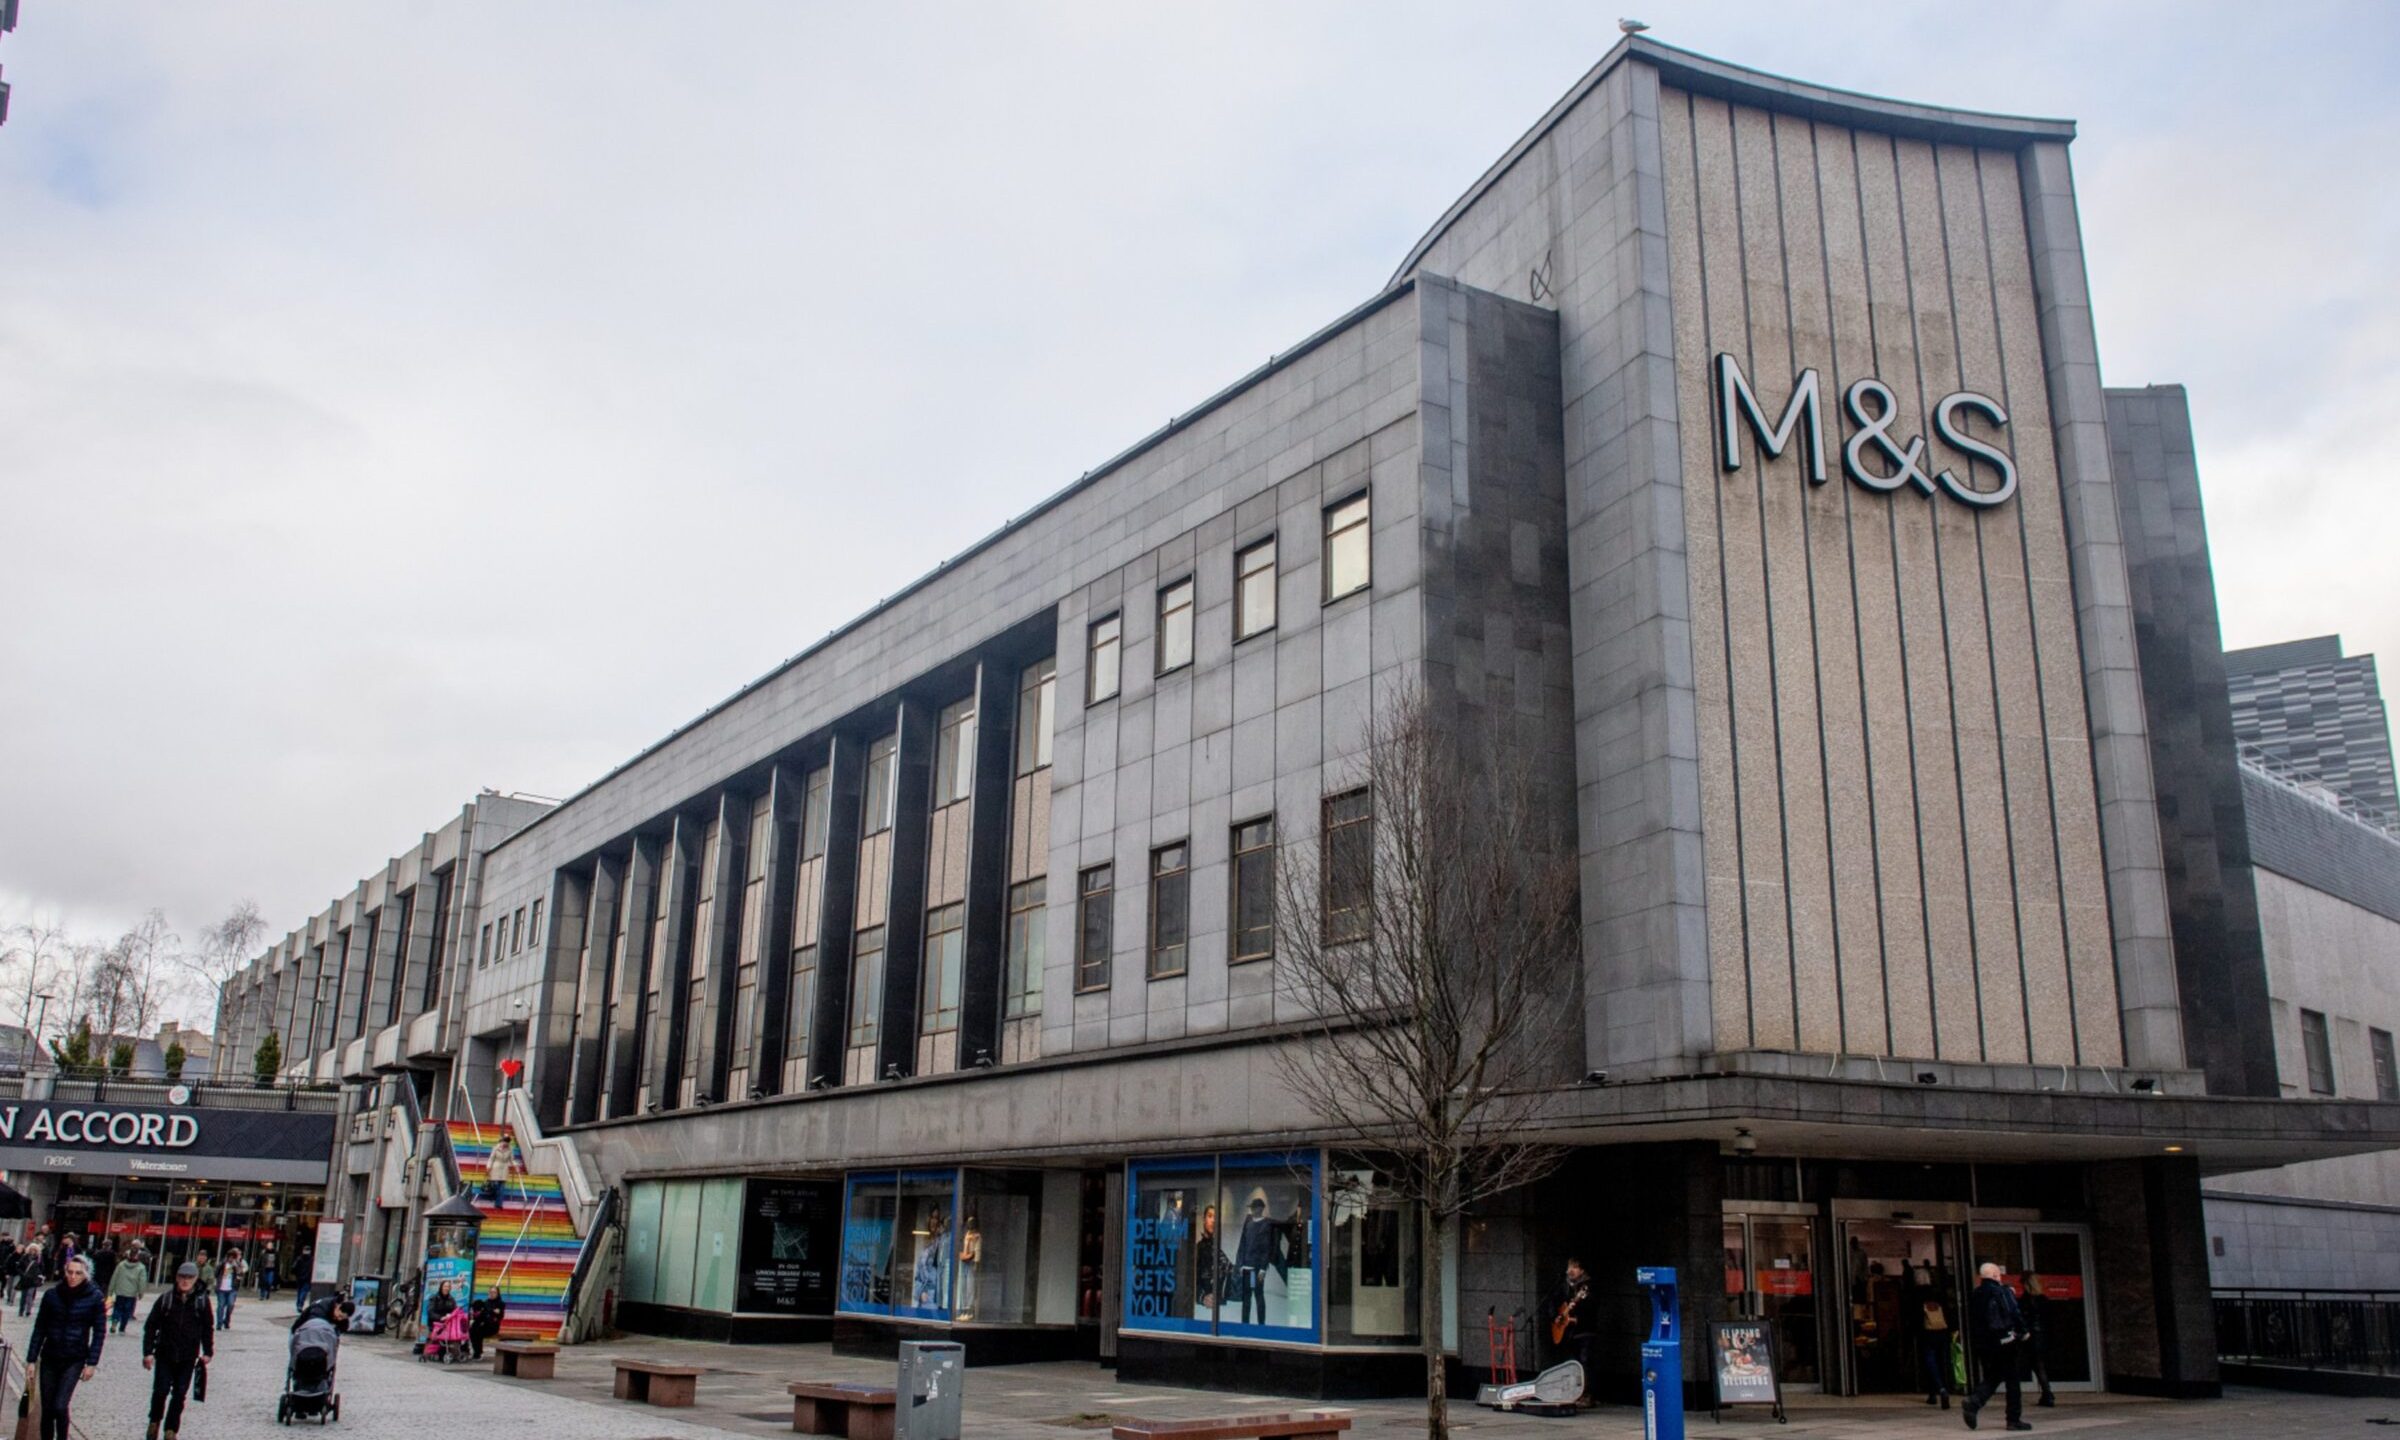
x,y
122,985
1432,930
39,957
220,952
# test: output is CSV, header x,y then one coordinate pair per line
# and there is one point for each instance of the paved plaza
x,y
387,1395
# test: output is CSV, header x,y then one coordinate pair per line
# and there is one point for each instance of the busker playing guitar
x,y
1570,1308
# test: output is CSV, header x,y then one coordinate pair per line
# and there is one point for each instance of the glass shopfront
x,y
1227,1245
965,1247
731,1245
183,1220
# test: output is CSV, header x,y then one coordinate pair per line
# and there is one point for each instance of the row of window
x,y
2316,1045
1347,568
1347,885
509,935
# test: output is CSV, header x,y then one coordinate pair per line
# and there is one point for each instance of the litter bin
x,y
933,1377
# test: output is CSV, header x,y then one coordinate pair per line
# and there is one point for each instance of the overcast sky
x,y
397,400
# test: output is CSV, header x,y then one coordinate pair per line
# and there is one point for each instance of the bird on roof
x,y
1632,27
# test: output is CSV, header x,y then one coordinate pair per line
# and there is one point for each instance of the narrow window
x,y
533,927
816,812
1170,908
954,754
753,936
2316,1042
483,956
516,932
1254,889
882,784
1100,672
937,994
1094,926
2387,1074
1349,857
1347,560
1027,920
1175,626
866,986
1037,703
1254,590
800,1017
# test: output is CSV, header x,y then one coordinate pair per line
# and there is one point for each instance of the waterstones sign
x,y
194,1142
1873,456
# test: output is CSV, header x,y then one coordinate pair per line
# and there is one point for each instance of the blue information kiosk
x,y
1662,1357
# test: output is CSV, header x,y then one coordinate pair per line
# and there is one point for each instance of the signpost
x,y
1742,1358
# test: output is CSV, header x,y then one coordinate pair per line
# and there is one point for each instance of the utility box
x,y
932,1389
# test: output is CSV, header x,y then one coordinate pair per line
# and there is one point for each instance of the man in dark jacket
x,y
1996,1328
68,1328
1570,1311
179,1337
483,1320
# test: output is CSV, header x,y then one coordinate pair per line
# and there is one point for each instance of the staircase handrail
x,y
558,1155
573,1326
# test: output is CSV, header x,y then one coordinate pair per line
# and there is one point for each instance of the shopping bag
x,y
1958,1364
200,1382
29,1406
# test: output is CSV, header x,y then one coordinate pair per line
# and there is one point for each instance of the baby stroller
x,y
448,1341
308,1392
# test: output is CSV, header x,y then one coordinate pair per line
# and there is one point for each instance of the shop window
x,y
1371,1270
1223,1246
1347,551
1254,590
2316,1044
1349,869
788,1243
1175,626
937,1001
1095,926
1104,655
1028,922
876,796
866,987
1037,705
2387,1075
1170,908
954,754
1253,878
898,1251
1000,1250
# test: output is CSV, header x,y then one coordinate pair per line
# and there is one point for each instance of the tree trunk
x,y
1429,1322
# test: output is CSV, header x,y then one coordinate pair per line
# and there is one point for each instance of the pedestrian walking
x,y
1996,1328
1571,1322
125,1287
266,1274
68,1328
229,1286
104,1264
304,1267
30,1272
178,1339
499,1163
2035,1302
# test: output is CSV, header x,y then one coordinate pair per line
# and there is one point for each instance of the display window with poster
x,y
1223,1245
898,1250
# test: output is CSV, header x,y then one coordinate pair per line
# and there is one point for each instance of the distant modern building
x,y
2316,716
8,22
1739,442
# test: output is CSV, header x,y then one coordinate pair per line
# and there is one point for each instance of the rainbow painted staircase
x,y
527,1245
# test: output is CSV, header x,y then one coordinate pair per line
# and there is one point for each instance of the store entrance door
x,y
2050,1267
1770,1275
1905,1283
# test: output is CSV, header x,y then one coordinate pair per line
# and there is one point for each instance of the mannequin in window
x,y
1259,1249
970,1255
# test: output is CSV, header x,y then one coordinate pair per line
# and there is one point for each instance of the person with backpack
x,y
178,1340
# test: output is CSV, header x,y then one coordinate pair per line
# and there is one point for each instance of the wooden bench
x,y
525,1360
1282,1426
860,1412
654,1384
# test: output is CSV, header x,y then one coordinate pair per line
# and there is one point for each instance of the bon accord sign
x,y
195,1142
1873,410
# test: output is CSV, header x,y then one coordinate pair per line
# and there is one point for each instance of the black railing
x,y
595,1237
2353,1330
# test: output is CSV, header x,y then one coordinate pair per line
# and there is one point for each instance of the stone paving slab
x,y
389,1396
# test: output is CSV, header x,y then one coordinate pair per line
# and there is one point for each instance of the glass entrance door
x,y
1770,1274
1905,1293
2049,1266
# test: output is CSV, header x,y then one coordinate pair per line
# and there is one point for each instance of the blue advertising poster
x,y
456,1271
866,1262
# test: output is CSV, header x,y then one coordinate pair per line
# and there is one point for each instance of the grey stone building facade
x,y
1742,444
